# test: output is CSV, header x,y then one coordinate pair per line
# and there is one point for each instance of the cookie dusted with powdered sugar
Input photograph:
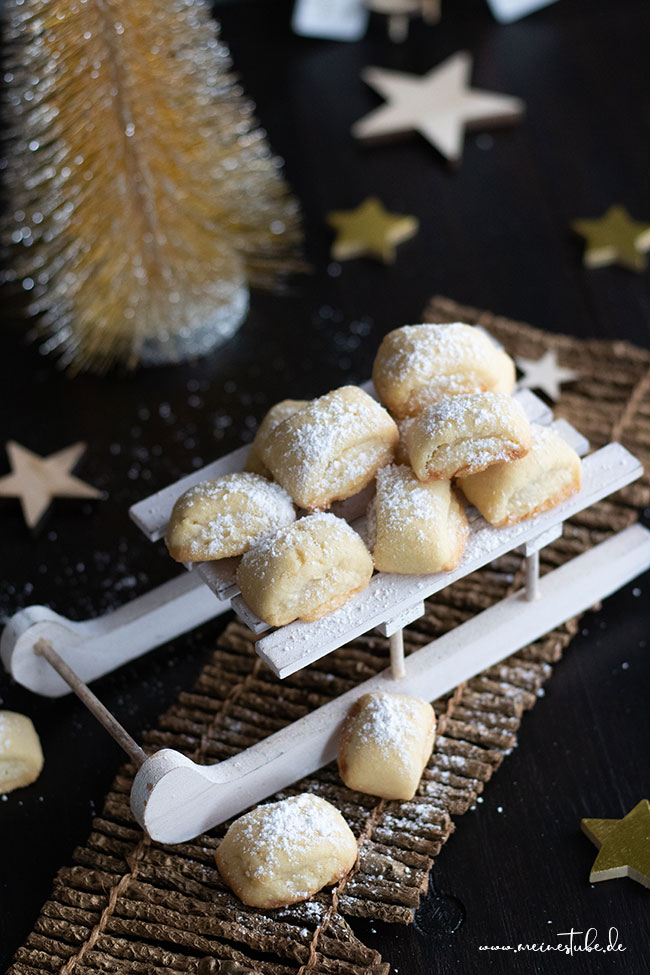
x,y
331,449
385,743
415,528
281,411
420,364
507,493
21,756
464,434
284,852
304,571
224,517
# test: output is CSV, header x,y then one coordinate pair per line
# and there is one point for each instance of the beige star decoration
x,y
615,238
37,480
545,374
439,105
624,845
369,230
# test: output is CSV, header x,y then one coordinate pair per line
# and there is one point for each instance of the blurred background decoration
x,y
143,197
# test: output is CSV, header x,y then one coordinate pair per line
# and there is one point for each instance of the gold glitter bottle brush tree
x,y
143,196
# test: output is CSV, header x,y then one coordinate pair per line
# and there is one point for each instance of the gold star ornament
x,y
615,238
37,480
440,105
369,230
624,845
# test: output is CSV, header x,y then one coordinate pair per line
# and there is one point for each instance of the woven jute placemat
x,y
130,905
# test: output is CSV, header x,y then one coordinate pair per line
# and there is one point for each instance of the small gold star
x,y
615,238
369,230
624,845
37,480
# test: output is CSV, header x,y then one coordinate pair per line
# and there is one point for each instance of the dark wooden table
x,y
495,233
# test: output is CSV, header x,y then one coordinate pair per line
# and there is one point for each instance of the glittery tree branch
x,y
143,196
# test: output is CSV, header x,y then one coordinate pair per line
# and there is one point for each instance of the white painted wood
x,y
396,646
220,576
292,647
572,436
152,514
247,616
93,648
399,622
532,576
175,800
541,541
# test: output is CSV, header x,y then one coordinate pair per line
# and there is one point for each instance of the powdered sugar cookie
x,y
548,474
281,411
415,527
304,571
331,449
385,743
464,434
224,517
284,852
21,756
419,364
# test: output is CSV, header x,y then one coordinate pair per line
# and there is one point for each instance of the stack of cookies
x,y
448,428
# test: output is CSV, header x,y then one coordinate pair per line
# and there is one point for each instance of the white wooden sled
x,y
173,798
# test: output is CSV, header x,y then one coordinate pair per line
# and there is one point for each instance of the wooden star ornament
x,y
370,230
439,105
615,238
545,374
624,845
37,480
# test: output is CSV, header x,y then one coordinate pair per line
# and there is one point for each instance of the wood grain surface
x,y
495,234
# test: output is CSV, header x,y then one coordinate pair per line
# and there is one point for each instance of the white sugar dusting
x,y
339,437
284,540
390,723
420,347
403,501
247,508
492,410
284,833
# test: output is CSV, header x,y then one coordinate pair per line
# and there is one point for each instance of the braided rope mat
x,y
130,905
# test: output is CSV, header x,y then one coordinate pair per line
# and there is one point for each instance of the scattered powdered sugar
x,y
338,436
417,349
277,544
479,410
390,723
286,832
257,506
542,435
402,501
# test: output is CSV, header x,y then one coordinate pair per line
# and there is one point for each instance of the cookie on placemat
x,y
464,434
420,364
415,527
385,743
224,517
281,411
506,493
284,852
21,756
331,449
304,571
